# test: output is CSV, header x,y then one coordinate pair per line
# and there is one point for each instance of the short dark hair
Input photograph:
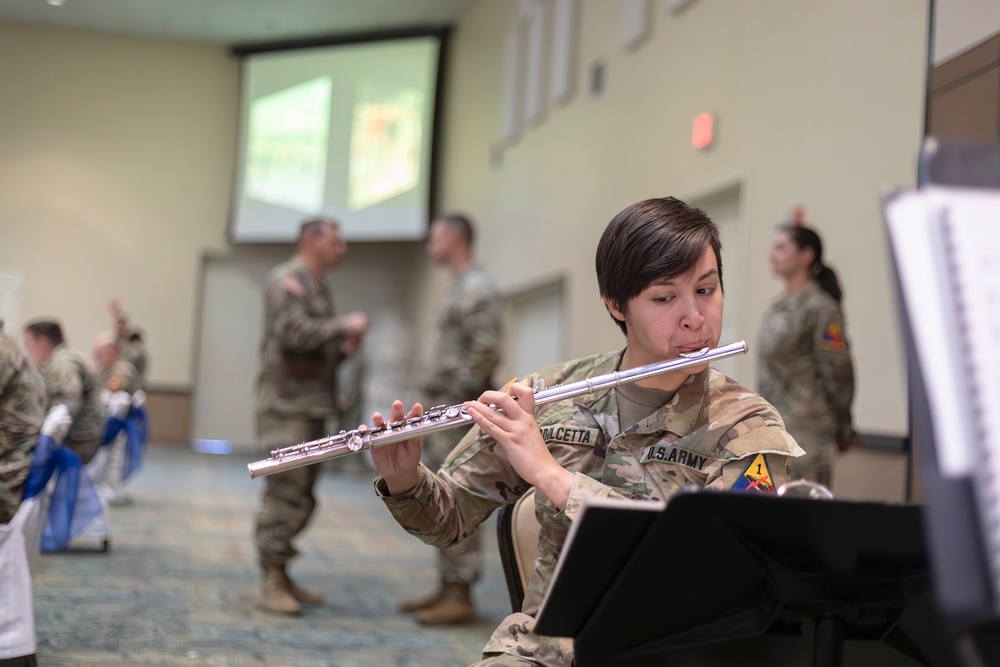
x,y
462,223
655,239
313,227
46,329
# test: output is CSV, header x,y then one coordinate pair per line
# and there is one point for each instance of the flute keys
x,y
355,443
452,412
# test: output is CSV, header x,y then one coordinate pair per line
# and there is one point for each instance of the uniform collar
x,y
678,416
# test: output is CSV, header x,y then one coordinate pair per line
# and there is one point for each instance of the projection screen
x,y
343,130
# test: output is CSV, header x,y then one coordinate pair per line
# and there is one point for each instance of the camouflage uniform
x,y
807,374
70,380
120,376
133,351
22,410
465,355
714,433
295,394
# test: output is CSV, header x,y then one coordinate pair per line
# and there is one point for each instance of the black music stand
x,y
714,567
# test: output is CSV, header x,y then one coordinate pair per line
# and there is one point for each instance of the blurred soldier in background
x,y
22,409
119,381
69,381
303,343
806,370
465,355
113,372
130,341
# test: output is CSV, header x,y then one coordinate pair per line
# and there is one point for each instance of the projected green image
x,y
287,146
385,144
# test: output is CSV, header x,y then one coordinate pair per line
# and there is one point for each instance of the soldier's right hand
x,y
398,463
356,324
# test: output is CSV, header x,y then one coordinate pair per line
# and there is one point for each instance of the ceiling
x,y
232,21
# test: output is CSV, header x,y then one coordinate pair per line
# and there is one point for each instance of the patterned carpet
x,y
178,587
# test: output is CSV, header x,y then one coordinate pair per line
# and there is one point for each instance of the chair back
x,y
517,537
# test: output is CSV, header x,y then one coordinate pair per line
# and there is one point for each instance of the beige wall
x,y
116,162
960,24
819,104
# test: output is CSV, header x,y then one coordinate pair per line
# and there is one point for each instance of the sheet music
x,y
972,229
913,220
946,242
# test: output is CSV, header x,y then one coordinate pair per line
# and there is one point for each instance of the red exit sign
x,y
701,134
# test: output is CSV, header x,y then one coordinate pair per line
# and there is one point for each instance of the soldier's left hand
x,y
398,462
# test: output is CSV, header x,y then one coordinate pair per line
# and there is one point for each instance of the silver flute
x,y
444,417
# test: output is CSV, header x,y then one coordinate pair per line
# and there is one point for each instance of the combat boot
x,y
416,604
275,592
454,607
301,594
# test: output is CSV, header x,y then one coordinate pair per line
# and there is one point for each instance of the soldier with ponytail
x,y
806,370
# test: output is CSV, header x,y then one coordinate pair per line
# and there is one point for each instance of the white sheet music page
x,y
972,241
913,220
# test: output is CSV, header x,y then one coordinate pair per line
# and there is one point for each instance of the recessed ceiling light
x,y
56,3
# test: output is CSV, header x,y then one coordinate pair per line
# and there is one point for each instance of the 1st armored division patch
x,y
833,339
755,477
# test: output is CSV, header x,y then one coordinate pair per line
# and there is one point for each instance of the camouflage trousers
x,y
288,501
13,476
515,644
463,562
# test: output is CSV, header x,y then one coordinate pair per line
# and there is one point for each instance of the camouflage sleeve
x,y
296,329
580,490
836,371
429,511
446,507
760,456
7,373
63,384
481,319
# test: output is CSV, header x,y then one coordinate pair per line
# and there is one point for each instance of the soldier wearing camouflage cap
x,y
22,409
659,270
304,340
806,370
465,355
69,380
